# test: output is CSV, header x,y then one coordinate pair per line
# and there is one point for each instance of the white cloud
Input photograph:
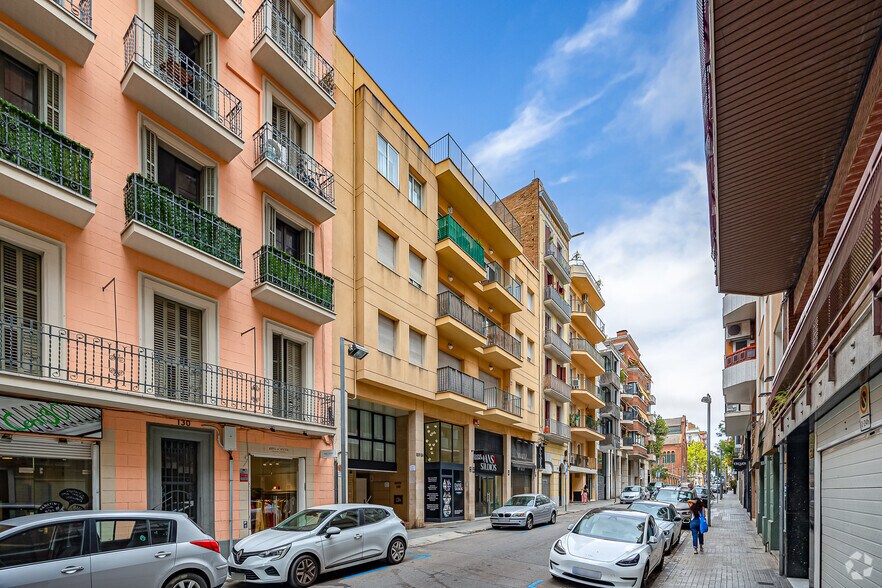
x,y
654,262
564,179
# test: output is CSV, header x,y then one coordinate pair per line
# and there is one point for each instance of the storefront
x,y
274,496
444,472
489,467
523,466
48,457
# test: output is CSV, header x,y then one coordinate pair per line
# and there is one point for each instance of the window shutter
x,y
416,348
206,62
386,335
416,269
20,281
150,153
209,189
165,25
293,360
385,248
309,247
381,155
271,226
52,98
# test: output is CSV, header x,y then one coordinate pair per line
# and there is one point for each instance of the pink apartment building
x,y
166,203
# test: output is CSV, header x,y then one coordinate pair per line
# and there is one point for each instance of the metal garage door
x,y
851,513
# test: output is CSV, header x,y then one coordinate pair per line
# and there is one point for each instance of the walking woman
x,y
696,507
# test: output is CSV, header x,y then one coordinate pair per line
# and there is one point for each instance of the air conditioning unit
x,y
740,330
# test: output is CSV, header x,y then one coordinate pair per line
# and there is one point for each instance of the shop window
x,y
41,544
371,440
32,485
273,491
443,442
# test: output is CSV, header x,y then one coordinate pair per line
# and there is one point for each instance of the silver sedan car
x,y
665,516
524,510
317,540
82,549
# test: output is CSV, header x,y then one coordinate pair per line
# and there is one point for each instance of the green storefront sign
x,y
22,415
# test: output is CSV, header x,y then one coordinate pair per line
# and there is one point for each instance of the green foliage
x,y
733,483
727,450
659,472
660,429
289,273
696,458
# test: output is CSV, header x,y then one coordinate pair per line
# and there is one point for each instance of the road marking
x,y
534,584
371,571
421,556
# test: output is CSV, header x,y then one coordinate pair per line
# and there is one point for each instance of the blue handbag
x,y
702,523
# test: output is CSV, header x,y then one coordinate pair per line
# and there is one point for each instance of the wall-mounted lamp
x,y
491,367
450,346
449,277
490,309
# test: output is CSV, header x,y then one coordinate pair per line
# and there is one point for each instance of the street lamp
x,y
707,400
355,351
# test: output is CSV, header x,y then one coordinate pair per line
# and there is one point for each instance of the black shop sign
x,y
739,464
488,463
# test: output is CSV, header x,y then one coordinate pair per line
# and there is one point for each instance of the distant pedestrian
x,y
585,494
696,507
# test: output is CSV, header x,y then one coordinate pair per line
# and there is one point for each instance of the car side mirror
x,y
678,519
653,540
331,531
570,527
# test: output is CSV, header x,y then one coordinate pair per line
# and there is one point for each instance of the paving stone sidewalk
x,y
734,556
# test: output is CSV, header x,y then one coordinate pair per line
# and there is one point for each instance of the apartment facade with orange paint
x,y
166,201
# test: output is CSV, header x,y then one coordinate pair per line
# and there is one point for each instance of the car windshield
x,y
702,492
659,512
519,501
632,489
305,520
612,527
671,495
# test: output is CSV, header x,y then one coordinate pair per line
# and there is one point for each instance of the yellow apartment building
x,y
432,282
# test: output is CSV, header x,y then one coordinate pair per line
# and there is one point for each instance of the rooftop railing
x,y
448,228
31,348
275,267
269,21
449,304
497,336
272,145
447,148
452,380
496,273
579,266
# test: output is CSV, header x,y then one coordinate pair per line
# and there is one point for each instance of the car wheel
x,y
529,524
661,563
304,571
553,517
396,551
644,581
187,580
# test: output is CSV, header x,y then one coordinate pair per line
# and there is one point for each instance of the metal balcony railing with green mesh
x,y
448,228
161,209
275,267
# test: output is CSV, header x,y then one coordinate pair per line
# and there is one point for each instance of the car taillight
x,y
403,524
209,544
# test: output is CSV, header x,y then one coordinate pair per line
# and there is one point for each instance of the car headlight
x,y
518,514
559,548
276,552
629,561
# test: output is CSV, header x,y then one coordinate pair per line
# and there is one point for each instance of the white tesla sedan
x,y
609,548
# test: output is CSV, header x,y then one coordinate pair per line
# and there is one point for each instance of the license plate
x,y
237,576
590,574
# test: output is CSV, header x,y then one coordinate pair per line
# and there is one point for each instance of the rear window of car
x,y
374,515
669,495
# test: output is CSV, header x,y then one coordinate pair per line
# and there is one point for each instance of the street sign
x,y
864,408
739,464
327,454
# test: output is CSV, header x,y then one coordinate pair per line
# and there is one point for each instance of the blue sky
x,y
601,100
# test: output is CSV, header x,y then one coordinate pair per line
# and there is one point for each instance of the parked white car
x,y
615,548
632,493
317,540
666,518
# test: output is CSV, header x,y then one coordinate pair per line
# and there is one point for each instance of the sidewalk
x,y
437,532
734,556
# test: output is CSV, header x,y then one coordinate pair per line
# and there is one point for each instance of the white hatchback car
x,y
317,540
615,548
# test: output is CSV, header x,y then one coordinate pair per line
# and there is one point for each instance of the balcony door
x,y
288,361
291,238
184,58
33,88
20,303
178,345
181,175
287,27
286,146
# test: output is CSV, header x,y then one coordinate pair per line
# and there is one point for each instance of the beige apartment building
x,y
431,280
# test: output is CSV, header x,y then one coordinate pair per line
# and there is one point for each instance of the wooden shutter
x,y
150,156
206,62
52,98
293,363
308,247
386,335
416,269
271,226
209,189
177,342
416,348
20,295
165,25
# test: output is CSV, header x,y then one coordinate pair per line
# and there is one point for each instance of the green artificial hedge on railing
x,y
289,273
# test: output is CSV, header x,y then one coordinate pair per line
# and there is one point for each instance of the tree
x,y
727,451
660,430
659,472
696,459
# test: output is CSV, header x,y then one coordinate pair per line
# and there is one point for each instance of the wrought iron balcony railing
x,y
579,344
557,428
496,273
28,142
275,267
448,228
452,380
556,341
558,300
498,336
270,144
79,9
447,148
499,398
449,304
41,350
159,208
558,387
166,62
269,21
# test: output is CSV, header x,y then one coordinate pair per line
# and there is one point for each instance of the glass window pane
x,y
345,520
390,452
366,450
446,442
160,532
390,429
431,442
41,544
365,431
379,454
353,448
378,426
353,422
457,434
115,535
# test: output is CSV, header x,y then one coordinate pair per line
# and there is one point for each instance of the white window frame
x,y
394,334
410,332
271,328
411,180
149,286
288,215
410,255
52,275
179,148
394,249
272,93
531,398
531,357
21,48
531,296
396,180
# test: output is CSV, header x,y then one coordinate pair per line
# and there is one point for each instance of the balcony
x,y
285,282
611,410
585,427
740,375
556,431
458,391
290,172
501,350
584,463
557,263
737,419
502,407
161,224
634,394
635,444
43,169
458,323
737,308
501,290
586,397
555,303
556,347
321,6
610,441
611,379
226,15
629,416
587,357
466,189
287,56
556,388
64,24
69,366
459,252
586,320
586,283
163,79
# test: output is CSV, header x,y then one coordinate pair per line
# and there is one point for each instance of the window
x,y
530,399
175,51
387,160
415,191
415,268
32,87
530,296
416,345
530,346
176,166
41,544
386,334
443,442
519,337
374,515
519,391
177,341
386,248
371,438
116,535
348,519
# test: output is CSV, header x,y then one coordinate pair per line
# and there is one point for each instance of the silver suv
x,y
81,549
679,497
